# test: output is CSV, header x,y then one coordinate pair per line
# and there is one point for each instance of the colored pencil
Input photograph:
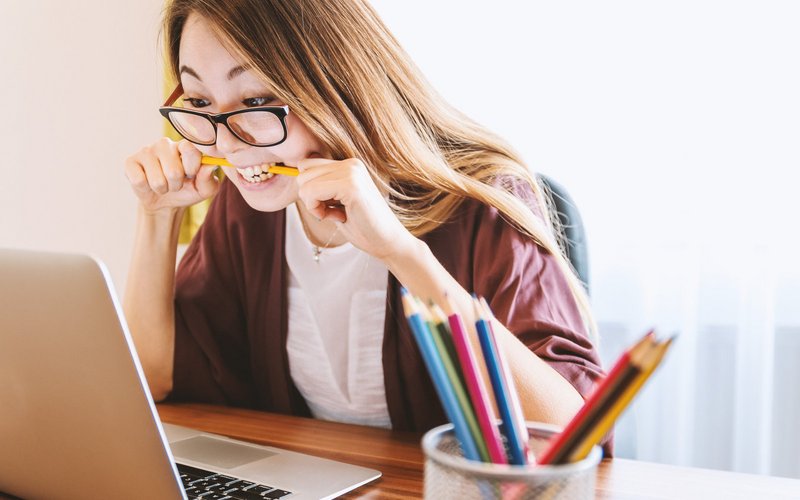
x,y
502,389
271,168
479,393
442,324
436,370
648,364
518,417
440,332
621,374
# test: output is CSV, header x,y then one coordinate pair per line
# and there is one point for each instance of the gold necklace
x,y
316,250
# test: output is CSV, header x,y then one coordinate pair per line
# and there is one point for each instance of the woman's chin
x,y
270,196
266,206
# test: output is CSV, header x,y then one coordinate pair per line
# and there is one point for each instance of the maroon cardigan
x,y
231,310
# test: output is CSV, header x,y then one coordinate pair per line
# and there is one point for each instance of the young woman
x,y
287,300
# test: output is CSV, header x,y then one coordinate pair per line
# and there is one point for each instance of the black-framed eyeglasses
x,y
262,126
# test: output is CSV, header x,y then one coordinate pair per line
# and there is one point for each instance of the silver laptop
x,y
77,420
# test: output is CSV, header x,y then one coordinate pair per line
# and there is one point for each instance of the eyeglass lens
x,y
253,127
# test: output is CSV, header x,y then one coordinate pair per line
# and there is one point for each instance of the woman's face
x,y
215,82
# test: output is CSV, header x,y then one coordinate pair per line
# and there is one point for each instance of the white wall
x,y
676,127
665,114
79,90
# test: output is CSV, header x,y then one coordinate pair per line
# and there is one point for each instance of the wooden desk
x,y
399,456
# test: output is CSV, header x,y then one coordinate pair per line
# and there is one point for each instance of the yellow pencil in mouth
x,y
272,168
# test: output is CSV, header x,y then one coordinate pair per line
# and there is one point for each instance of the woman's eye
x,y
196,102
257,101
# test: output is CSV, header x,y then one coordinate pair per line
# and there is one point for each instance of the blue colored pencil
x,y
437,372
517,441
516,407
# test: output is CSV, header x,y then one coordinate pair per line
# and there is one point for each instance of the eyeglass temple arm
x,y
174,95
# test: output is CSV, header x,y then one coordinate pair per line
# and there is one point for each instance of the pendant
x,y
316,250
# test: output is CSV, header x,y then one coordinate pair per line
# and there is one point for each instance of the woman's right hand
x,y
168,175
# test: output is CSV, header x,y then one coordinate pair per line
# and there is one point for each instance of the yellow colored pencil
x,y
649,363
273,169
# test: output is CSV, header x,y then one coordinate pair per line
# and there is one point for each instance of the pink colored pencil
x,y
487,419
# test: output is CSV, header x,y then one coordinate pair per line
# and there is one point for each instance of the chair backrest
x,y
572,228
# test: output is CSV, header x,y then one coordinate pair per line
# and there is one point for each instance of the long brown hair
x,y
346,77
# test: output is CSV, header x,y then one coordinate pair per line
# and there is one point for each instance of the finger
x,y
313,163
206,182
171,165
326,209
136,176
323,183
320,194
190,157
316,208
334,212
155,175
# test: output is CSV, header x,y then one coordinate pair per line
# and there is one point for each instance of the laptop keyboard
x,y
207,485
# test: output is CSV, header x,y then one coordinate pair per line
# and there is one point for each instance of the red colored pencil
x,y
561,445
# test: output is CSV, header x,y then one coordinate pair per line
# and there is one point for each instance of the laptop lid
x,y
76,419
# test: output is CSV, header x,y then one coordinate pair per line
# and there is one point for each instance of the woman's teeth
x,y
255,174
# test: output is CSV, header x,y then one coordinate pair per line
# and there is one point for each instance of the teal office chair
x,y
575,247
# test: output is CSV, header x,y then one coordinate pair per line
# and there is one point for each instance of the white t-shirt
x,y
337,309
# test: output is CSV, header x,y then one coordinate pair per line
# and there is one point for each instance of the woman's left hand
x,y
364,217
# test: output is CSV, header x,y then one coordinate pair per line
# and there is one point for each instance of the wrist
x,y
161,215
418,270
404,254
159,225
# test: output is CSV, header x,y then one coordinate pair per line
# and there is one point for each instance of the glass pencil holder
x,y
448,475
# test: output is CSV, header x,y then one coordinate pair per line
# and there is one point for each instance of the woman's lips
x,y
255,178
255,174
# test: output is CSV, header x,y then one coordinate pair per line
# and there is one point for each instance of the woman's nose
x,y
227,143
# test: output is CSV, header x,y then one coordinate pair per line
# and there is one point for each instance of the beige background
x,y
80,86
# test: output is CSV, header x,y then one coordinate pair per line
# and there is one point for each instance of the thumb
x,y
206,182
308,163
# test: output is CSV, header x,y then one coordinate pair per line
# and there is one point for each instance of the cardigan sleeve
x,y
526,288
210,361
529,293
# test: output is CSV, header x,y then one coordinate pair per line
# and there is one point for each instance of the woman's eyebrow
x,y
238,70
233,73
189,71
